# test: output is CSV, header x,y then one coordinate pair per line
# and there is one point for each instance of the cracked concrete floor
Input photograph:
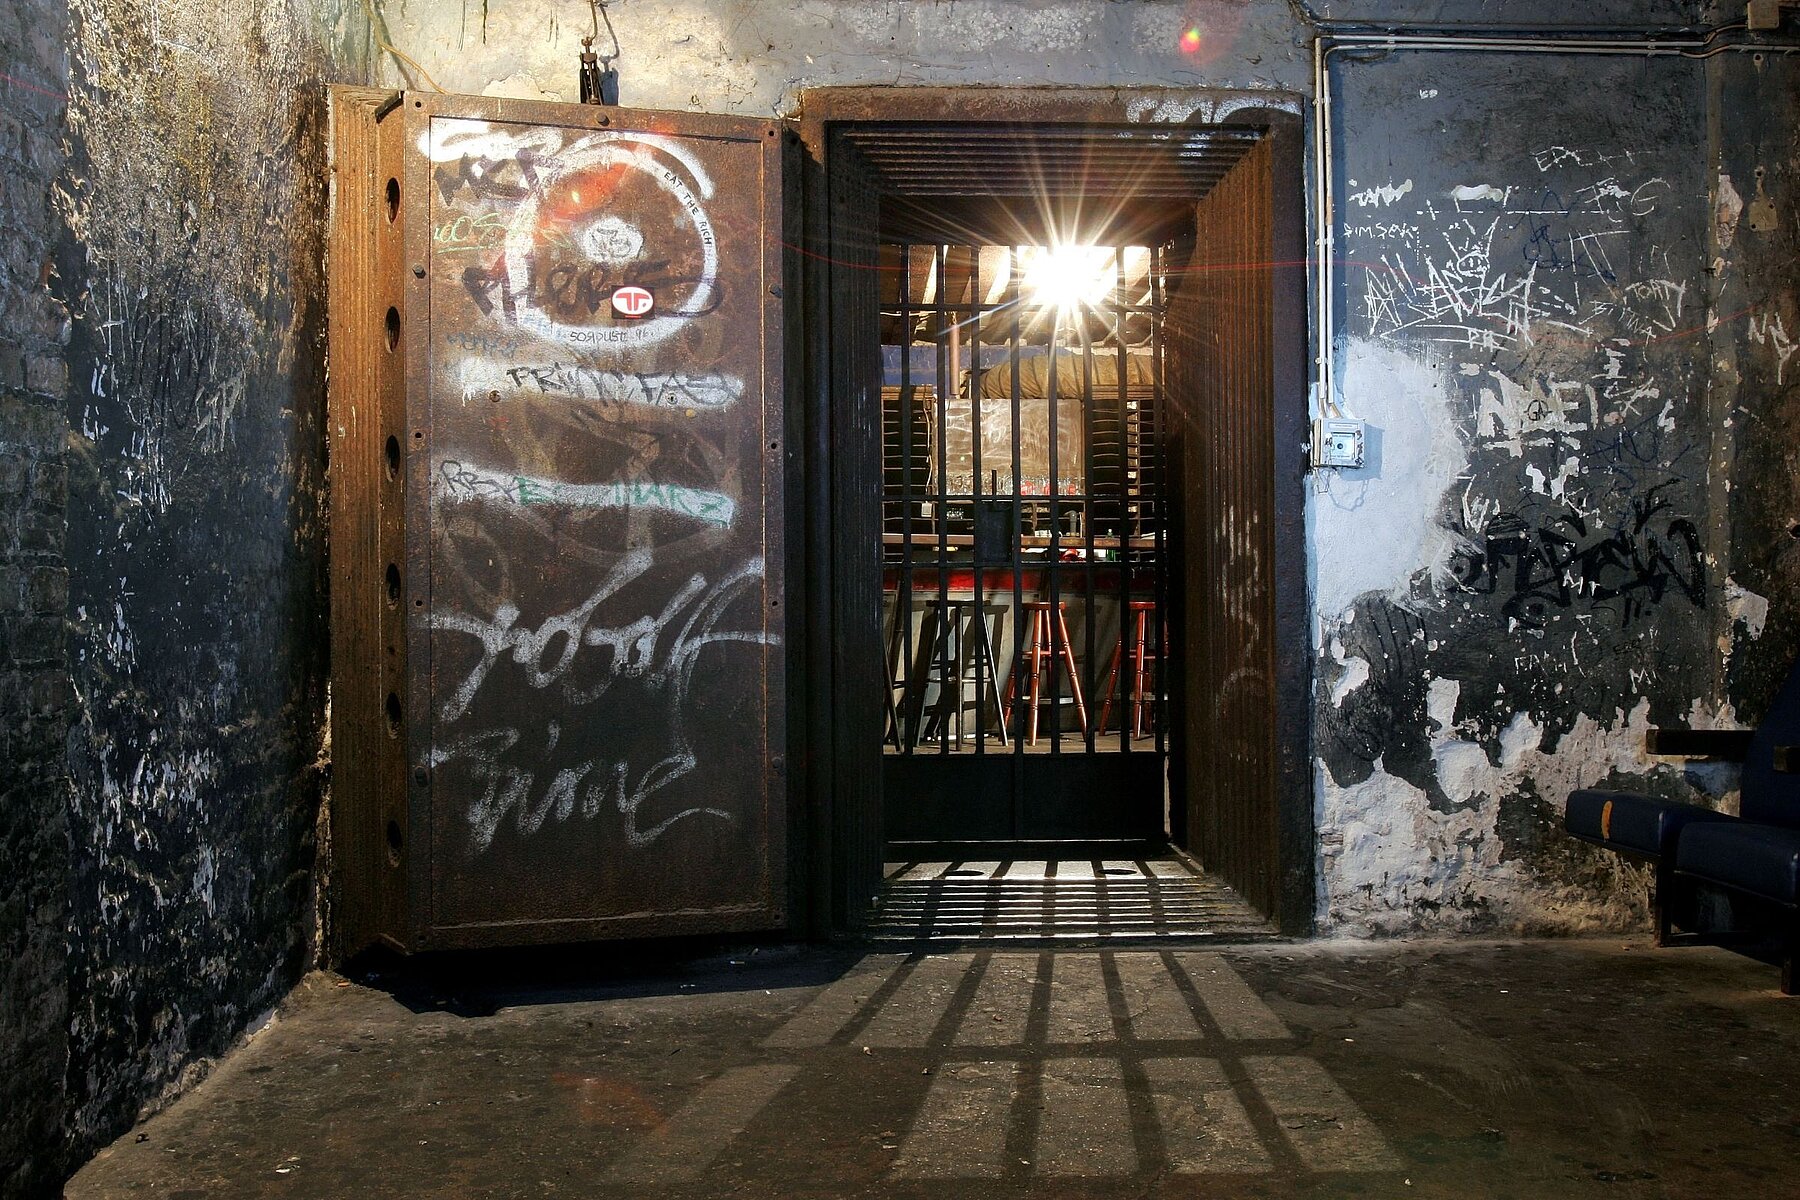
x,y
1492,1069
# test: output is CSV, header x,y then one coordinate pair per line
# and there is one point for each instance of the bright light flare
x,y
1068,277
1190,40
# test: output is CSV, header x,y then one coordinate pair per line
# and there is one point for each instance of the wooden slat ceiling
x,y
1029,183
1136,162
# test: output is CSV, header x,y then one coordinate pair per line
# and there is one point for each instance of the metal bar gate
x,y
1024,541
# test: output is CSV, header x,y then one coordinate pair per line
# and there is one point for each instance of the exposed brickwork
x,y
34,591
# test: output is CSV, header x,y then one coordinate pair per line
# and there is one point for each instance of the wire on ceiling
x,y
1303,11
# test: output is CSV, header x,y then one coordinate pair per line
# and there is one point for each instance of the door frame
x,y
838,809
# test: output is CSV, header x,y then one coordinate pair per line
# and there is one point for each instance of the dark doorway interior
x,y
1040,471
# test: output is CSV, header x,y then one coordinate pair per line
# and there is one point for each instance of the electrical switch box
x,y
1337,442
1763,14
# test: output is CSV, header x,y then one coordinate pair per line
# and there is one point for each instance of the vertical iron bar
x,y
972,337
1016,548
940,642
903,593
1053,559
1127,456
1089,733
1159,509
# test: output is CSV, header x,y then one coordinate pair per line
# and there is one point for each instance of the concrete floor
x,y
1516,1069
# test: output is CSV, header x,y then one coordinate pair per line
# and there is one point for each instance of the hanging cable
x,y
599,81
377,31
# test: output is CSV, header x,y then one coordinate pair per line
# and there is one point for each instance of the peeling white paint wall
x,y
1519,583
1388,854
1375,528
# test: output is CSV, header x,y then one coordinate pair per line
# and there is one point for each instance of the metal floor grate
x,y
1059,900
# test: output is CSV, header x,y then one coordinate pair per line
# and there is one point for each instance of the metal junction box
x,y
556,448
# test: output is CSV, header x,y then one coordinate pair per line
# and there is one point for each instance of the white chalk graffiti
x,y
1767,330
1649,306
486,378
1546,413
1512,262
1562,294
1381,195
460,482
660,650
1562,156
635,151
1461,298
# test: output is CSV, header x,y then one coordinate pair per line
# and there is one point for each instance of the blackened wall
x,y
162,607
1753,138
193,195
1565,285
34,714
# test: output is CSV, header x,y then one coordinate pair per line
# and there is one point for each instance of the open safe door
x,y
556,448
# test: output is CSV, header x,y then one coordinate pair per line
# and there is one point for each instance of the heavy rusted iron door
x,y
591,707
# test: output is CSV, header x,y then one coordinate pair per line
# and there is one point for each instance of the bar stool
x,y
1143,666
897,677
951,658
1048,639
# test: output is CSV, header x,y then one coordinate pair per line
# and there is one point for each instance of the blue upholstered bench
x,y
1756,854
1647,827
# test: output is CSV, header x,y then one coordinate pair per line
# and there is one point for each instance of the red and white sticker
x,y
632,301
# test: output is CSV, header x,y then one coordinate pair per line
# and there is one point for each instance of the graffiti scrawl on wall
x,y
1567,562
1552,302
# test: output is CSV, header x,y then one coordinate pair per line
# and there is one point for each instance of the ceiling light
x,y
1068,277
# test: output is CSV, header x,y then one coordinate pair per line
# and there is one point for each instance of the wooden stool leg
x,y
1068,658
917,671
1139,675
1112,680
984,652
1027,658
1034,684
1012,684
